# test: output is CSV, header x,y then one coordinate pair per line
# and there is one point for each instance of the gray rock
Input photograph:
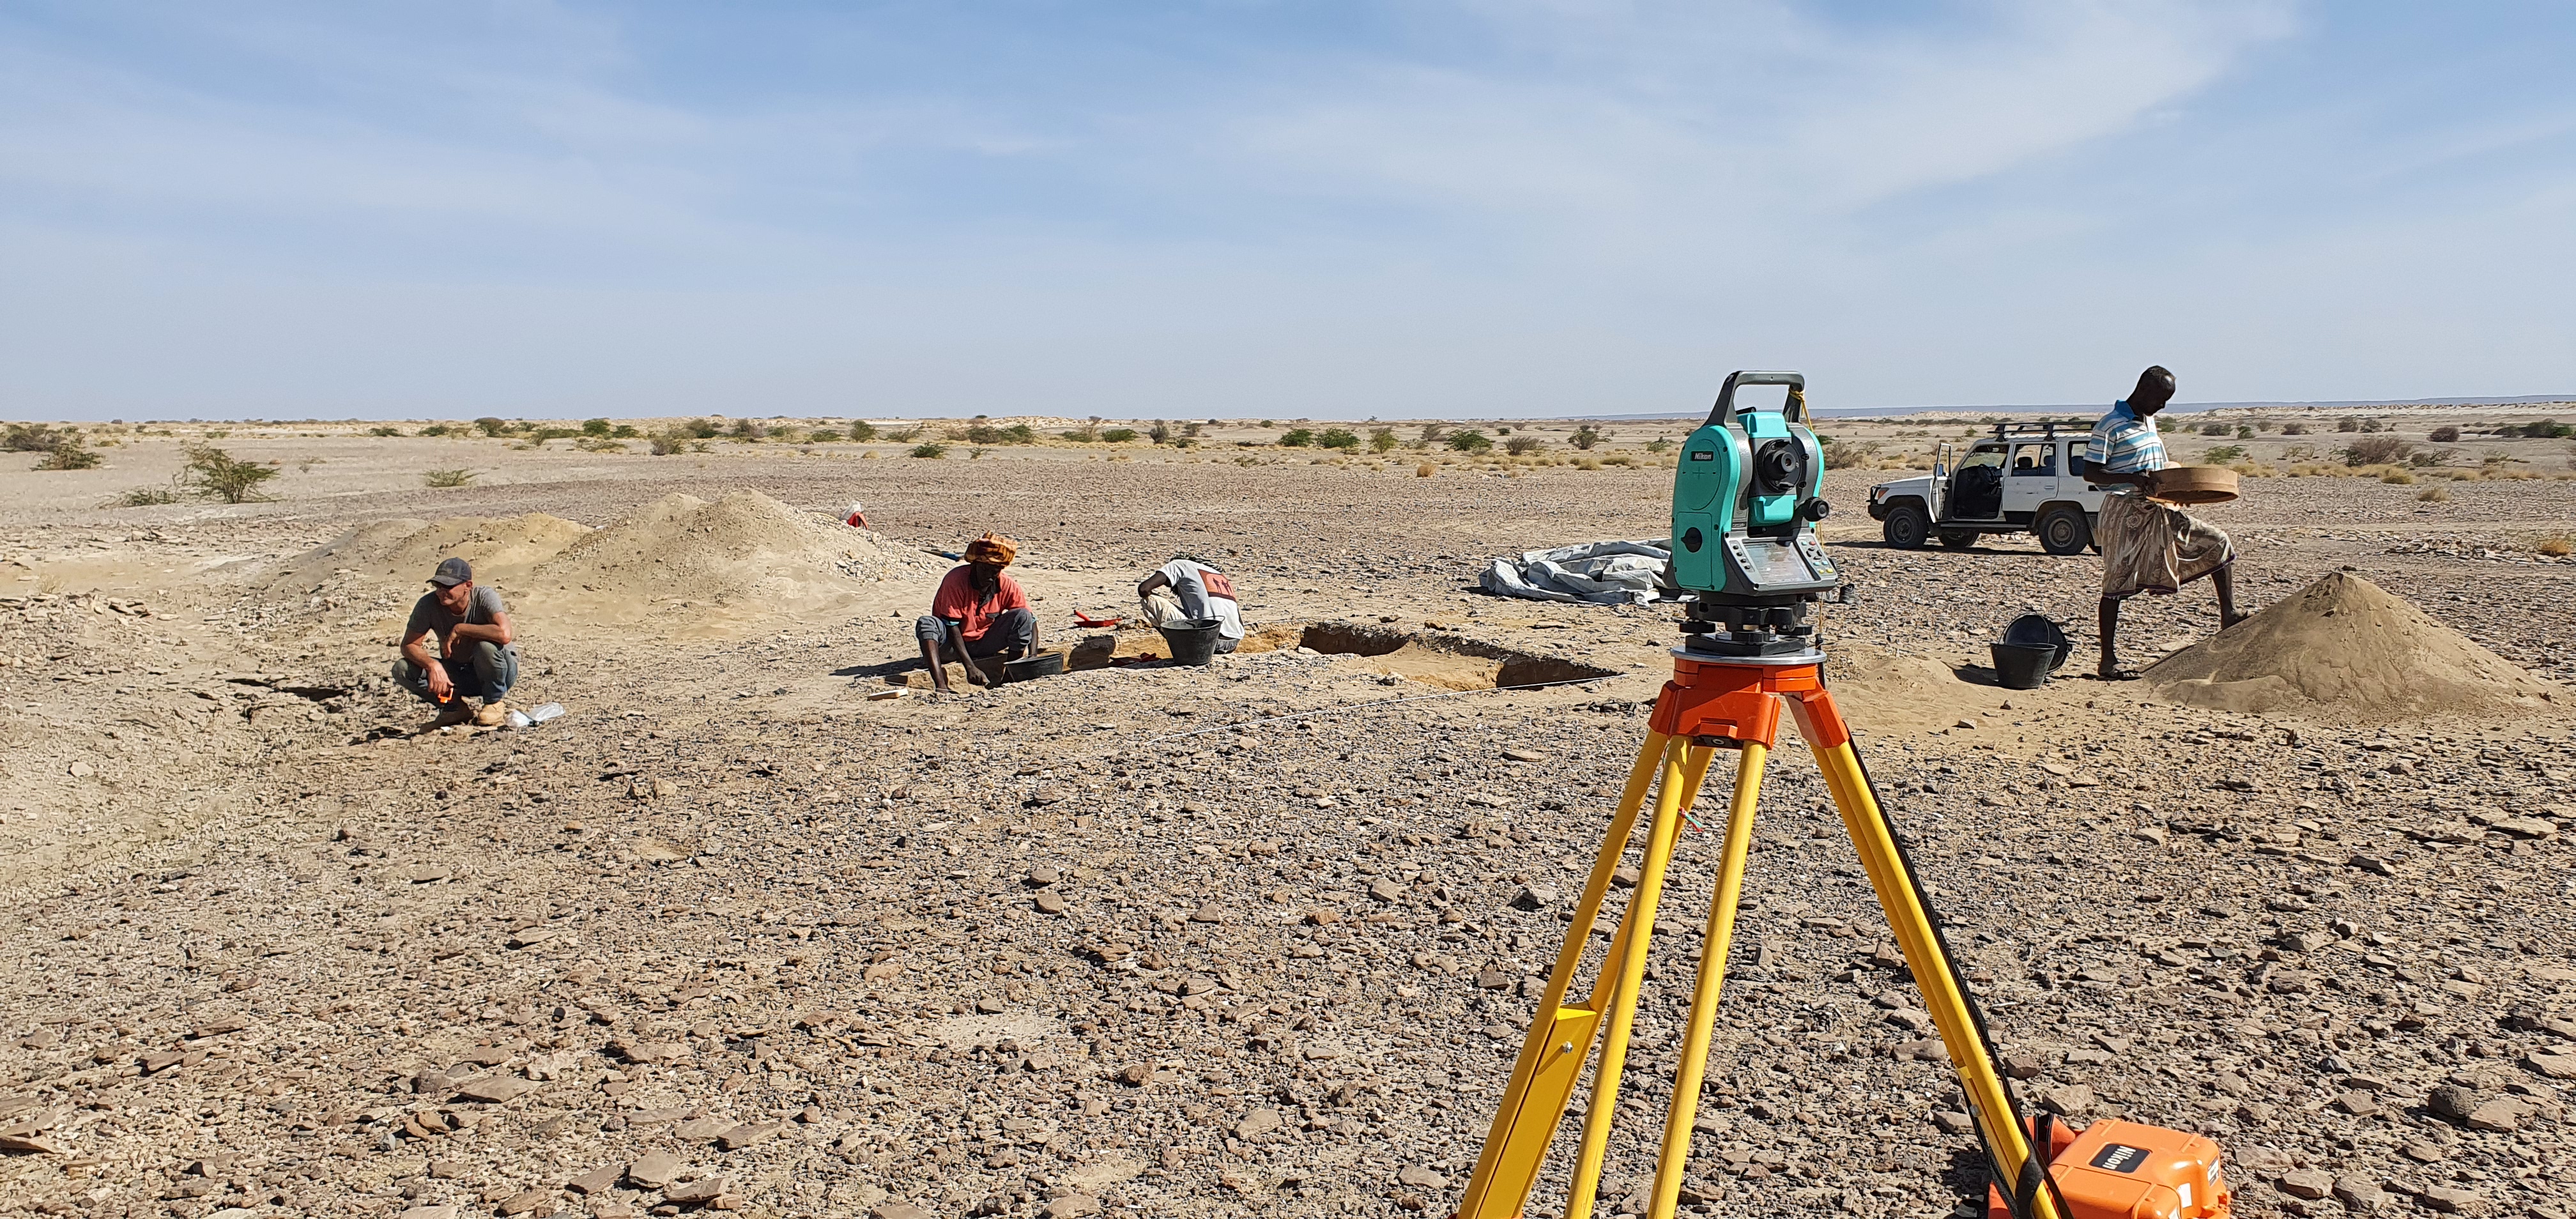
x,y
2306,1183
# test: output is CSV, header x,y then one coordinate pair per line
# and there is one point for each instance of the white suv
x,y
2027,478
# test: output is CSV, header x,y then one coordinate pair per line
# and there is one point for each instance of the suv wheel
x,y
1907,526
2063,530
1959,539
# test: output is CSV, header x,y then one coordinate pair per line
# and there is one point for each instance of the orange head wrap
x,y
992,549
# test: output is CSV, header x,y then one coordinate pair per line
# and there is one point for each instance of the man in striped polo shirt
x,y
2147,545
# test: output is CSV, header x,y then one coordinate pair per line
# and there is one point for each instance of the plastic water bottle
x,y
545,711
519,719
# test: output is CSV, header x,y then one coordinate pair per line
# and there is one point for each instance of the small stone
x,y
989,1006
654,1171
2357,1103
1965,724
1209,913
2524,827
1534,897
1492,979
899,1210
495,1089
2555,1066
704,1189
747,1134
1257,1123
2307,1183
1044,875
2073,1100
2152,833
2374,864
1070,1206
1137,1075
664,789
2022,1066
1385,890
2423,1153
1627,877
701,1129
597,1181
1048,902
2501,1115
2360,1195
528,1200
648,1052
1419,1177
2448,1201
2452,1101
429,1212
439,1170
1953,1122
1518,754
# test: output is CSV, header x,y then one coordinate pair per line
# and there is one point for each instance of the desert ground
x,y
744,929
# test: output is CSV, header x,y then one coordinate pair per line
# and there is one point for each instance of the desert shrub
x,y
930,450
1382,439
2557,546
1160,433
216,474
1521,446
1296,438
1425,470
822,435
37,437
976,453
2377,450
2215,429
598,444
544,434
1085,434
2347,425
597,427
436,429
1118,435
2445,434
861,430
1432,432
750,431
2433,495
1193,430
69,454
2294,429
2223,454
492,426
1468,441
384,431
2396,476
1618,459
1341,438
447,478
988,435
2430,458
2547,429
668,443
1843,454
1586,436
1659,444
144,497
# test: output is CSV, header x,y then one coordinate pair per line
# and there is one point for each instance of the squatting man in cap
x,y
2147,545
1187,588
978,612
474,656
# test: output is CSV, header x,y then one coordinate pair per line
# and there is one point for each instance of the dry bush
x,y
2558,546
2445,434
2377,450
447,478
1425,470
2396,477
2433,495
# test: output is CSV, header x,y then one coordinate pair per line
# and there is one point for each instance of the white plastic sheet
x,y
1602,573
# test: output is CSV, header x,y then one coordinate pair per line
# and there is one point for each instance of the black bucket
x,y
2023,666
1193,640
1030,668
2035,629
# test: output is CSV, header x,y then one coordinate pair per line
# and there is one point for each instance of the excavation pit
x,y
1445,661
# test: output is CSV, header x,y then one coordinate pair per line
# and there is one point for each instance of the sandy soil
x,y
1227,941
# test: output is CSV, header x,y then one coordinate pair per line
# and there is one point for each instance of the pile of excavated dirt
x,y
2345,649
1886,689
743,555
404,550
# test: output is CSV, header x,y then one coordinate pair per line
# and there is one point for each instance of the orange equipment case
x,y
2122,1170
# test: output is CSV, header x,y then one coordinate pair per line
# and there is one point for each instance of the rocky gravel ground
x,y
1255,939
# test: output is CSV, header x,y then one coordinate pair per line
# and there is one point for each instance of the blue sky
x,y
1470,208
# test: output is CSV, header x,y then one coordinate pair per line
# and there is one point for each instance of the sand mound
x,y
1883,688
743,554
2346,649
404,550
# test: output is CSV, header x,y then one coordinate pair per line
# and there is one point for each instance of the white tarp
x,y
1604,573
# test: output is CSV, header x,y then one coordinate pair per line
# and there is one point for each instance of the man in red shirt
x,y
977,612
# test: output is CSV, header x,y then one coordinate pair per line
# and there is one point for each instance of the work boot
x,y
493,715
451,713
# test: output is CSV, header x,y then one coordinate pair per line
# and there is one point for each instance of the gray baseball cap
x,y
452,572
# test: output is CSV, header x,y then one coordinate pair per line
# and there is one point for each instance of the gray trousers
x,y
1012,633
481,669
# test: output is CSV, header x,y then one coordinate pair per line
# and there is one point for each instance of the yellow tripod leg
x,y
1714,943
1682,776
1941,993
1560,1037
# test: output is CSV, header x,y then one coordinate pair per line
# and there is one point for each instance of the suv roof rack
x,y
2049,428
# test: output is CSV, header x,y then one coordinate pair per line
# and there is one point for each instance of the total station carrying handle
x,y
1794,410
